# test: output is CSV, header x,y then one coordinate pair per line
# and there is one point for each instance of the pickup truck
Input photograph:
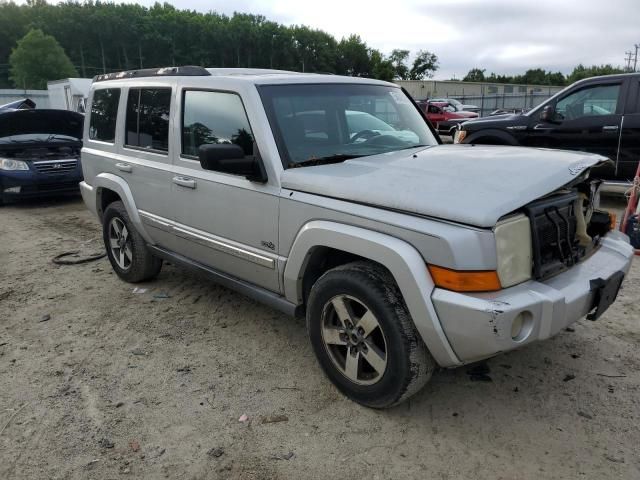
x,y
446,118
598,115
331,198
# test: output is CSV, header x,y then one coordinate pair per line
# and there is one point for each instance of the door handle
x,y
184,182
610,128
124,167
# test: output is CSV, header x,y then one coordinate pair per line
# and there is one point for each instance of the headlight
x,y
459,136
513,246
10,164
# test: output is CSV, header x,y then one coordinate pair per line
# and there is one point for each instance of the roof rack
x,y
186,71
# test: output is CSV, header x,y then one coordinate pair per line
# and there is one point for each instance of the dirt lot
x,y
152,385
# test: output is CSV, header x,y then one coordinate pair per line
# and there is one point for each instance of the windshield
x,y
324,121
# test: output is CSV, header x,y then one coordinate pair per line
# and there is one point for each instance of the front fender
x,y
120,186
401,259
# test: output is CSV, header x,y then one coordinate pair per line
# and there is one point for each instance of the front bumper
x,y
32,184
480,325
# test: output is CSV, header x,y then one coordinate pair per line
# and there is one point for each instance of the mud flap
x,y
605,293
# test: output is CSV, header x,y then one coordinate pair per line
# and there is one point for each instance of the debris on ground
x,y
568,377
185,369
161,295
274,419
139,290
45,318
216,452
243,418
585,415
613,459
285,456
570,329
106,443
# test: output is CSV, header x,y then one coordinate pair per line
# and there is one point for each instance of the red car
x,y
444,118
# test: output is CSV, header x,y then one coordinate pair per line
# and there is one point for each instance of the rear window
x,y
147,122
104,111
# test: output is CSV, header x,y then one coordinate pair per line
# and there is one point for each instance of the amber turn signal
x,y
465,281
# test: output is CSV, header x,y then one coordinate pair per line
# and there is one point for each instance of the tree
x,y
474,75
382,68
38,58
581,72
398,59
424,65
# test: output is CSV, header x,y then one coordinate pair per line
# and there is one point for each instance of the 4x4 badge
x,y
268,245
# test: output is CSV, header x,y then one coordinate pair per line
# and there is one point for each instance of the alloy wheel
x,y
354,340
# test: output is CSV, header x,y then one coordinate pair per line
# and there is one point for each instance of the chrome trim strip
x,y
61,160
206,239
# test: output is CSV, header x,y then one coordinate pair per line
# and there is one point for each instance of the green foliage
x,y
474,75
38,58
581,72
424,65
102,37
398,59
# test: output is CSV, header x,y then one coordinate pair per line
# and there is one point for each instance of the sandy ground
x,y
151,385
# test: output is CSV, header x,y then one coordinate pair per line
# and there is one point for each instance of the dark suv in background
x,y
598,115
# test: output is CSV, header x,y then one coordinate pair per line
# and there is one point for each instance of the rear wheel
x,y
364,338
126,249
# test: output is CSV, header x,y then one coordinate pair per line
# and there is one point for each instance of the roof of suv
x,y
248,75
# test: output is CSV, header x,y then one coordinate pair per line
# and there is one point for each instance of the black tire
x,y
142,264
409,365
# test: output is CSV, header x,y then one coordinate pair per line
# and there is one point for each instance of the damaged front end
x,y
39,153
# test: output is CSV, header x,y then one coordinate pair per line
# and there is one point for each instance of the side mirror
x,y
548,114
230,158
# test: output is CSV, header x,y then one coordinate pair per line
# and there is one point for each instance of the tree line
x,y
539,76
100,37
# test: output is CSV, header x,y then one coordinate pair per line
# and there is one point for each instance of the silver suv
x,y
331,197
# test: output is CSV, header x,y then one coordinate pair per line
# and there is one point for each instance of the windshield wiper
x,y
337,158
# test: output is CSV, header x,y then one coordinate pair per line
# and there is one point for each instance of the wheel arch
x,y
110,188
403,261
497,137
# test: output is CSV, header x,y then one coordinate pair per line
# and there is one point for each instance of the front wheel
x,y
126,249
364,338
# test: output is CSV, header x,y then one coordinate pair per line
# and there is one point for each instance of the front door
x,y
222,220
587,119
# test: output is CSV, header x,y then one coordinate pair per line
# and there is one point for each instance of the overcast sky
x,y
503,36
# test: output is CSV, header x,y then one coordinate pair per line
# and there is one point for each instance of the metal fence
x,y
509,102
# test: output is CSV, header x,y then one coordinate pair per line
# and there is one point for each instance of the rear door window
x,y
147,122
104,112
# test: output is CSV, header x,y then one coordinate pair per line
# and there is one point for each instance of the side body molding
x,y
120,186
401,259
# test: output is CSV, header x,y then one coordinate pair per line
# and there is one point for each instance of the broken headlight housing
x,y
513,248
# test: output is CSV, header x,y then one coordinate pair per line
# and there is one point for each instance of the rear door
x,y
629,153
586,119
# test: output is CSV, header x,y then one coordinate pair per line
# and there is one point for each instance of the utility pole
x,y
627,59
635,57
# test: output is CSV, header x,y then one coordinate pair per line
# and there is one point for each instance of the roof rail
x,y
187,71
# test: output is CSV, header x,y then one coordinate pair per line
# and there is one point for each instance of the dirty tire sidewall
x,y
144,266
409,364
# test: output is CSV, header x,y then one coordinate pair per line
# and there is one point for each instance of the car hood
x,y
497,121
470,184
51,122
